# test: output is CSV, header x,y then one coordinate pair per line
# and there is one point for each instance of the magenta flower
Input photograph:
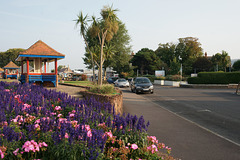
x,y
2,154
134,146
58,108
16,151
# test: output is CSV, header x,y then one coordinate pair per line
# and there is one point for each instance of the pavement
x,y
187,140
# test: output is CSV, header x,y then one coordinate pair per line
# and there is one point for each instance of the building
x,y
10,71
39,55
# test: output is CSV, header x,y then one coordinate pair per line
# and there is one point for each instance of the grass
x,y
9,80
80,83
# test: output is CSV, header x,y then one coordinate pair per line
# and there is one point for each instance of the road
x,y
215,109
168,109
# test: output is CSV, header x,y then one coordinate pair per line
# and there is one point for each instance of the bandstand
x,y
10,71
38,56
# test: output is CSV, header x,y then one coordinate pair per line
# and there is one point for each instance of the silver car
x,y
121,83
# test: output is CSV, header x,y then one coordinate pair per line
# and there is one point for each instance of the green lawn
x,y
80,83
9,80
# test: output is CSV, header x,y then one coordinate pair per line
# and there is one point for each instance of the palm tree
x,y
82,21
104,30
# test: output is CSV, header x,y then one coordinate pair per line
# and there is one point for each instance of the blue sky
x,y
149,22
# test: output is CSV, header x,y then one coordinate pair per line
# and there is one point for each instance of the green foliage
x,y
147,61
236,65
10,55
174,77
103,89
150,77
84,77
202,64
174,66
215,78
221,61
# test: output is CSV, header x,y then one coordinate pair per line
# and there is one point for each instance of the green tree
x,y
104,29
174,67
147,61
202,64
166,52
221,61
10,55
188,50
116,52
236,65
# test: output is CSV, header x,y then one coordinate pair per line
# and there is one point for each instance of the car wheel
x,y
152,92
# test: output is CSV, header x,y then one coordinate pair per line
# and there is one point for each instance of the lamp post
x,y
180,67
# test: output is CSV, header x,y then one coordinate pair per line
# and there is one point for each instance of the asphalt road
x,y
215,109
179,117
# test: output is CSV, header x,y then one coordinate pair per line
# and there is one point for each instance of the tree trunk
x,y
101,64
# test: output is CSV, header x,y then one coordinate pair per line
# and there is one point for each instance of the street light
x,y
181,67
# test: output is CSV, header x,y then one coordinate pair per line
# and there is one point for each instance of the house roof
x,y
40,50
1,70
11,65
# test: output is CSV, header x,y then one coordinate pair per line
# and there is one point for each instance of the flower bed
x,y
36,123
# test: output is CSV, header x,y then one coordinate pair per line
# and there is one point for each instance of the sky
x,y
216,23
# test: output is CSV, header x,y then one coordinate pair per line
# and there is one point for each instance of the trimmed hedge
x,y
215,78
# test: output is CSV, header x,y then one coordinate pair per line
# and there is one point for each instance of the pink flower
x,y
134,146
66,135
37,121
2,154
58,108
16,151
59,115
71,115
37,126
152,148
44,144
89,133
152,139
7,90
109,134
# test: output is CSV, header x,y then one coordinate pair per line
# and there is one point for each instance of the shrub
x,y
174,77
103,89
160,78
215,78
150,77
84,77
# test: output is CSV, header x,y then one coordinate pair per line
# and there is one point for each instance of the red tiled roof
x,y
41,48
11,65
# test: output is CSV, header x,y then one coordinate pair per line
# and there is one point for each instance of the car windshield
x,y
142,80
121,80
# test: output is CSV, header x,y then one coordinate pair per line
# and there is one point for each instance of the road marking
x,y
204,110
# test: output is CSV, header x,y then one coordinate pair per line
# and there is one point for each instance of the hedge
x,y
215,78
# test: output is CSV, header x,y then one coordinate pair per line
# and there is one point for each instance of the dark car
x,y
111,80
141,84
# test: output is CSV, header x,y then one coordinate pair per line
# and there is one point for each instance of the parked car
x,y
121,83
111,80
141,84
